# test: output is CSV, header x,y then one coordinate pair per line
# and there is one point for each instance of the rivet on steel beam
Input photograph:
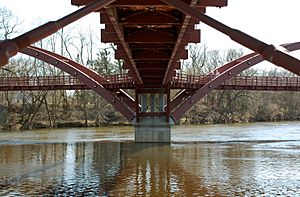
x,y
209,86
37,54
75,73
114,101
95,86
248,62
56,62
191,101
229,73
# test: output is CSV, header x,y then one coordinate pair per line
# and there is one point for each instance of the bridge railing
x,y
39,81
119,81
264,81
119,78
192,81
178,81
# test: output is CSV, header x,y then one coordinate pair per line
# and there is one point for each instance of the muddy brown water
x,y
261,159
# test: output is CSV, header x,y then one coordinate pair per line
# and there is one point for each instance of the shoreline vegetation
x,y
81,124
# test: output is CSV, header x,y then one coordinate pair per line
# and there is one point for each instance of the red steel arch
x,y
87,76
233,69
179,98
184,94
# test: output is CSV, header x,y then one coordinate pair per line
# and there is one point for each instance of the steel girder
x,y
124,46
9,48
268,52
202,3
227,71
87,76
178,46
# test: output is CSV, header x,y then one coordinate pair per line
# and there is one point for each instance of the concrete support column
x,y
161,100
153,129
3,114
152,102
153,126
144,103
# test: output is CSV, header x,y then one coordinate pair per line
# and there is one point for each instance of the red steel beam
x,y
184,28
150,18
78,71
127,99
100,79
202,3
150,36
178,99
9,48
269,52
218,80
112,16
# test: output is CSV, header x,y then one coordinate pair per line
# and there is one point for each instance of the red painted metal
x,y
80,72
9,48
218,80
71,83
202,3
41,83
183,95
119,34
187,21
179,98
150,35
269,52
127,99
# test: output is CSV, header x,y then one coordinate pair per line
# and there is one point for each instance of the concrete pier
x,y
3,114
153,129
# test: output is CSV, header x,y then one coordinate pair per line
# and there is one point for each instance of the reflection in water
x,y
248,168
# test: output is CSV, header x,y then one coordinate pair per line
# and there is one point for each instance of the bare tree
x,y
9,23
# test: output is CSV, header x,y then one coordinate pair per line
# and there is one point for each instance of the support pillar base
x,y
153,129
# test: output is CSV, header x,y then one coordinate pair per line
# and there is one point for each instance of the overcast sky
x,y
272,21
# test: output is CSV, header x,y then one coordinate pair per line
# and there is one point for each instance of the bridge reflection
x,y
127,169
95,169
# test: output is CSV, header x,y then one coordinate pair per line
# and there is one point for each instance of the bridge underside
x,y
151,36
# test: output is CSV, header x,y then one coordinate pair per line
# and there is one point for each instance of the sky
x,y
272,21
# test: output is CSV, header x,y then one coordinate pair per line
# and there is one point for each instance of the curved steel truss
x,y
87,76
226,72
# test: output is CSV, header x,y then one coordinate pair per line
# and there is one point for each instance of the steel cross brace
x,y
9,48
269,52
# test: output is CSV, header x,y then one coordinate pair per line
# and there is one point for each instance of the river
x,y
260,159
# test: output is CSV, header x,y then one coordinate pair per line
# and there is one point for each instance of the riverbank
x,y
93,124
60,124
